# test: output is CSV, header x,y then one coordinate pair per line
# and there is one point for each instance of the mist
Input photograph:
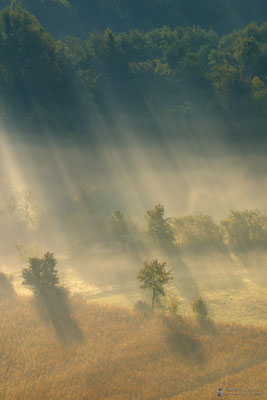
x,y
43,188
133,214
210,177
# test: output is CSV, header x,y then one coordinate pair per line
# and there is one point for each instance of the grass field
x,y
124,355
235,289
245,306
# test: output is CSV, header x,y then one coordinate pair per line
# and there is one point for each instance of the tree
x,y
36,78
245,229
124,231
200,309
159,232
173,305
52,300
154,276
197,232
41,275
119,228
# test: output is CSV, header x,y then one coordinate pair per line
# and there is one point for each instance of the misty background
x,y
63,198
110,110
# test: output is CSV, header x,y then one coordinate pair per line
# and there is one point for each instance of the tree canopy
x,y
153,275
41,275
146,77
80,17
159,231
245,229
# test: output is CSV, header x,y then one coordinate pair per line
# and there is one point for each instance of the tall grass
x,y
123,355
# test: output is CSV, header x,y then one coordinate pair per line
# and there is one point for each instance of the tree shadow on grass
x,y
208,327
55,309
181,340
254,264
184,280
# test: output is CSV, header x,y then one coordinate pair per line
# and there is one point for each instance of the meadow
x,y
124,355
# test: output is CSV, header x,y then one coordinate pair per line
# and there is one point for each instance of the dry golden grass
x,y
249,380
123,356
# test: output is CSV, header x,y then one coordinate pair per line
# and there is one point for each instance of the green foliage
x,y
52,301
176,72
240,57
168,69
154,276
58,17
259,93
119,227
79,17
173,305
159,231
197,232
123,231
41,276
200,309
245,229
35,76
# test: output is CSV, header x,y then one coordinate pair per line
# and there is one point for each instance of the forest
x,y
147,78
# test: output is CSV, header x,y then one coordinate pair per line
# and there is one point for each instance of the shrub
x,y
200,309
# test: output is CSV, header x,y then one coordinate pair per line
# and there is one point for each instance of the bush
x,y
173,305
200,309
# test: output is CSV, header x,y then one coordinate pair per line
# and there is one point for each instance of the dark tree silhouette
x,y
52,300
41,275
154,276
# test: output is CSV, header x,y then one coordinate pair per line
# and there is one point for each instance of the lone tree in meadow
x,y
41,276
200,309
154,276
52,300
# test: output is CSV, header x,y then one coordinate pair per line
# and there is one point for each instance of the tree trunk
x,y
153,299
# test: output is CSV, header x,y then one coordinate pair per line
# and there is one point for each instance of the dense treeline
x,y
37,81
164,74
63,18
82,223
